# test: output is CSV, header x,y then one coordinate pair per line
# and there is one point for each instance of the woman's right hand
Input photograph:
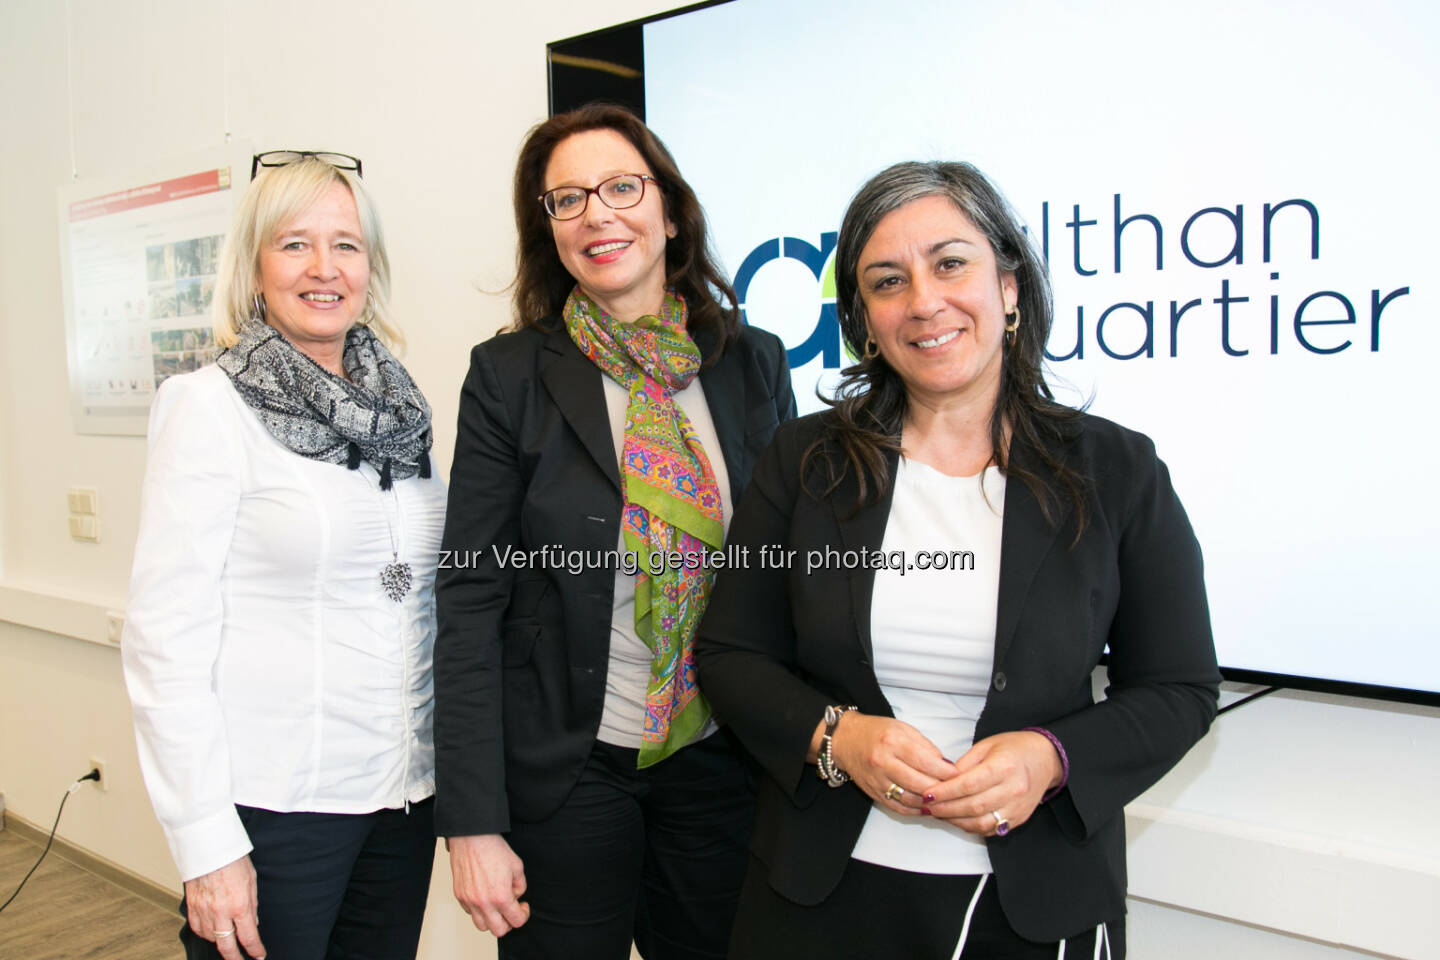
x,y
489,881
221,906
881,753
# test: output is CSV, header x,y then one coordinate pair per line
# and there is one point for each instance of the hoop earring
x,y
257,304
872,349
368,313
1012,326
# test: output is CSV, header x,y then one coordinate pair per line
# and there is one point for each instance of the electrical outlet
x,y
114,627
104,782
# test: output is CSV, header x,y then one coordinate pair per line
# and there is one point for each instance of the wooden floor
x,y
65,913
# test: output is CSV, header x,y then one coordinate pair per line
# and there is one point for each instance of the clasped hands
x,y
1006,774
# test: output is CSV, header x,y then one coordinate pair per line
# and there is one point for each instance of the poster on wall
x,y
139,258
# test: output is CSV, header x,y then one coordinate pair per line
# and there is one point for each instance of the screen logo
x,y
824,338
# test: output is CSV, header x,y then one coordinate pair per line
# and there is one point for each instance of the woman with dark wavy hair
x,y
917,685
589,797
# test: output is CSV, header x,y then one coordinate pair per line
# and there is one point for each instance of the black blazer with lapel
x,y
775,648
521,654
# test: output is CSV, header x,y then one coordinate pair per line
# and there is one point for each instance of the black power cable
x,y
1244,700
92,775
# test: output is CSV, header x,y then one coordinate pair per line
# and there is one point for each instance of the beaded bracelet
x,y
825,767
1064,761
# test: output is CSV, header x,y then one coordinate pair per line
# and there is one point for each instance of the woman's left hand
x,y
1006,774
222,906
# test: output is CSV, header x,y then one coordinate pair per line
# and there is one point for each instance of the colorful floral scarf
x,y
672,503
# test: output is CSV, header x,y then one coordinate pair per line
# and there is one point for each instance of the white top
x,y
623,720
933,638
265,664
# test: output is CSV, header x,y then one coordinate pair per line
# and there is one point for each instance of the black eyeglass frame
x,y
644,178
347,162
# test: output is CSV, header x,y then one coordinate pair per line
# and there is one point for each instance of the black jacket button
x,y
999,681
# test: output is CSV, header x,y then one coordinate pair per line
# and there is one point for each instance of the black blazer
x,y
775,649
521,654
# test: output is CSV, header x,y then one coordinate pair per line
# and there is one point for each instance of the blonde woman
x,y
281,620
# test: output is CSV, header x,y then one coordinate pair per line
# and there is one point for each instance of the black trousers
x,y
654,855
877,913
335,886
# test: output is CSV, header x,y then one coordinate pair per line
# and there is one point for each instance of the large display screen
x,y
1235,200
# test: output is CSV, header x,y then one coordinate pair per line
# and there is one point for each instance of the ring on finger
x,y
1002,826
224,933
894,791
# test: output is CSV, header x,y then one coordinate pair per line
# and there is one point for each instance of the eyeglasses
x,y
282,158
617,193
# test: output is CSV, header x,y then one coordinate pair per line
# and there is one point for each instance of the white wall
x,y
435,97
1300,822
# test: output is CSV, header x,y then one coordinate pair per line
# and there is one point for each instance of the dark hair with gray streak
x,y
869,408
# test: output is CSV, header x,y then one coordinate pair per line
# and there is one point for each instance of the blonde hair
x,y
275,198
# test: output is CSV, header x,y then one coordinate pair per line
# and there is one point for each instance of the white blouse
x,y
266,666
933,636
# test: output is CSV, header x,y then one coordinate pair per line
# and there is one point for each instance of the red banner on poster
x,y
193,185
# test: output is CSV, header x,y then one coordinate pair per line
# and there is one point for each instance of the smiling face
x,y
314,273
616,256
935,302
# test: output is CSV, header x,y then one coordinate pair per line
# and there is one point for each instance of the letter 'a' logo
x,y
824,339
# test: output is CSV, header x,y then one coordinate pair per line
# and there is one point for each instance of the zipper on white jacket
x,y
404,663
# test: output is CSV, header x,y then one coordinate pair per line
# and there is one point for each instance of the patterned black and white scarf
x,y
377,415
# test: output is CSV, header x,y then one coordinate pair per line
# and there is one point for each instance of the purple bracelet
x,y
1064,760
